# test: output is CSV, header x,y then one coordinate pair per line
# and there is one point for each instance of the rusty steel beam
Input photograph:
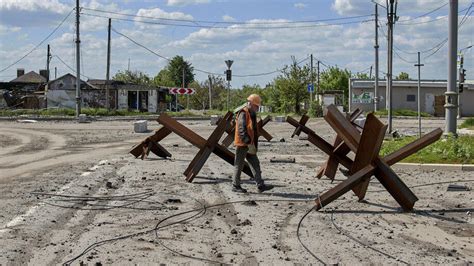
x,y
320,142
199,141
413,147
343,187
198,162
329,169
395,186
369,147
303,120
151,144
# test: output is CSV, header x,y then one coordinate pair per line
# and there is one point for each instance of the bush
x,y
446,150
315,109
402,112
468,123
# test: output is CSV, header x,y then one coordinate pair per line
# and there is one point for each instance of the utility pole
x,y
370,73
392,17
319,87
107,76
312,82
128,65
419,65
182,85
55,72
376,46
451,93
48,60
78,63
210,92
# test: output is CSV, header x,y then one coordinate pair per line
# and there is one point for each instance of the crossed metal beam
x,y
367,162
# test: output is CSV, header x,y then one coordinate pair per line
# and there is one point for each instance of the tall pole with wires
x,y
107,76
48,60
319,87
376,46
210,92
451,93
78,63
391,16
312,82
419,65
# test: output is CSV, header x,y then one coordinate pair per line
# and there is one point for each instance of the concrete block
x,y
82,118
215,119
280,119
140,126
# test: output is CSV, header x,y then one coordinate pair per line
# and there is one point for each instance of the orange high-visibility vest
x,y
250,130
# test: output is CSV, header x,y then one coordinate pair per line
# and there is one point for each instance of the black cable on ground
x,y
301,242
362,243
199,212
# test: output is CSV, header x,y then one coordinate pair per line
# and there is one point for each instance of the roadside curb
x,y
98,118
436,166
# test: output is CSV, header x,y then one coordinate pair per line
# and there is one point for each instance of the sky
x,y
260,36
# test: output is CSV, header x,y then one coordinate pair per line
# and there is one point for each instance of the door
x,y
429,103
152,101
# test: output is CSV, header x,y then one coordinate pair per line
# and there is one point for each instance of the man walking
x,y
246,142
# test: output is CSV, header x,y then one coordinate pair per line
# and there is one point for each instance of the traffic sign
x,y
182,91
310,88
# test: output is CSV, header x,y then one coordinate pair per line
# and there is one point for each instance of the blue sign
x,y
310,88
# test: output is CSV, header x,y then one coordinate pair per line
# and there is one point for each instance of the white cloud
x,y
150,14
4,29
186,2
228,18
34,5
300,5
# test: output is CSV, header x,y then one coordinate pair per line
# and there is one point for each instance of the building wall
x,y
430,99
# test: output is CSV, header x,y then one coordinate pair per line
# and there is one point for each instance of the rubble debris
x,y
283,160
173,201
26,121
454,187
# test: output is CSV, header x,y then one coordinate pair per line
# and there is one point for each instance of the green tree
x,y
361,76
402,76
135,77
176,67
163,78
335,78
292,87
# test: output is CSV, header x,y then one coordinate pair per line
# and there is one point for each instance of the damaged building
x,y
25,91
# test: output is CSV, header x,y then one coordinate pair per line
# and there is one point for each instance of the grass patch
x,y
70,112
468,123
402,112
446,150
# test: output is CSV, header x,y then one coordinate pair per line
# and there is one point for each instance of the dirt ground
x,y
71,193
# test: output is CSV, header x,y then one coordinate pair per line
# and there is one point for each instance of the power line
x,y
200,70
228,27
39,44
227,22
436,19
68,66
425,14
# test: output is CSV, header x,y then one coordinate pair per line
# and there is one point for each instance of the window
x,y
411,98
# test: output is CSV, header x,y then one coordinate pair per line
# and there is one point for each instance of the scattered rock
x,y
282,140
250,203
109,185
245,222
219,255
173,201
233,231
